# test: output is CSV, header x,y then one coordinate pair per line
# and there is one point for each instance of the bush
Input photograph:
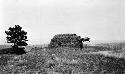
x,y
66,40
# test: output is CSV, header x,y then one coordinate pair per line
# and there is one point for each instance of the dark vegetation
x,y
18,37
17,51
67,40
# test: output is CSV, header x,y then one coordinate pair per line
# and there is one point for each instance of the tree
x,y
17,36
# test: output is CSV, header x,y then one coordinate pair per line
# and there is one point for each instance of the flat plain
x,y
98,59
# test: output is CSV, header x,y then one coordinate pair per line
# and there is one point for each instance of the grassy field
x,y
64,60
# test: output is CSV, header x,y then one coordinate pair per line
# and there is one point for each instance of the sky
x,y
42,19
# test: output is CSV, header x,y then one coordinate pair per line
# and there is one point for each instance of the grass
x,y
62,61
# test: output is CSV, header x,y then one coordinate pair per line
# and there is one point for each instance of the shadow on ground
x,y
17,51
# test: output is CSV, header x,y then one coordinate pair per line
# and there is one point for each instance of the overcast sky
x,y
42,19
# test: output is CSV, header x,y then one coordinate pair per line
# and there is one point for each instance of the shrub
x,y
66,40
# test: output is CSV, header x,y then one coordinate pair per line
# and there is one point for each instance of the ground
x,y
63,61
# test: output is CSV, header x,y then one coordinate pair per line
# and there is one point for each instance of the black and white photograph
x,y
62,36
